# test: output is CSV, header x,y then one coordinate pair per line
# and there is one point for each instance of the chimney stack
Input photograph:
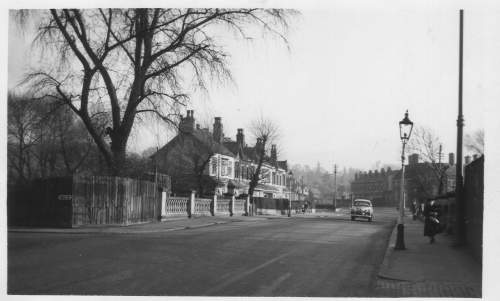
x,y
451,159
274,153
413,159
218,133
240,138
467,160
186,125
475,156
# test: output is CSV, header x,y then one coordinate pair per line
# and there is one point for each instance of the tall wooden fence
x,y
114,200
81,200
40,203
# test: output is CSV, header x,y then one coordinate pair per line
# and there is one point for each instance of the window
x,y
224,167
237,170
214,166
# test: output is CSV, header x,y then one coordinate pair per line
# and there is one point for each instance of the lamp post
x,y
459,188
405,127
290,175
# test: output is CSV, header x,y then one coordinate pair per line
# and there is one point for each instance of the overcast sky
x,y
351,72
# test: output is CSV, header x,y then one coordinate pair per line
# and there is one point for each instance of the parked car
x,y
362,209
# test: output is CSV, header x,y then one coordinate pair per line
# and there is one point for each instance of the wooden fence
x,y
40,203
114,200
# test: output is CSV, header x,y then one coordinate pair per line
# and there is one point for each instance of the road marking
x,y
268,290
243,275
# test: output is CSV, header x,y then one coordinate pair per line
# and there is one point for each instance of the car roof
x,y
363,200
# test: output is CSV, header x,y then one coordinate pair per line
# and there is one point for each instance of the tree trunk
x,y
118,160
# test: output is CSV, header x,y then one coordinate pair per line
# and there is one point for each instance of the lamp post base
x,y
400,240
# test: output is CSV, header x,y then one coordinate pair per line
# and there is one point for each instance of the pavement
x,y
166,225
428,270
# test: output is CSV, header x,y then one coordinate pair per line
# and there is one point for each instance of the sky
x,y
344,82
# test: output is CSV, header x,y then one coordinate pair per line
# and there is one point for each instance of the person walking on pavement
x,y
431,224
414,209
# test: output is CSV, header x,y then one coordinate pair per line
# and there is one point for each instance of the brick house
x,y
209,163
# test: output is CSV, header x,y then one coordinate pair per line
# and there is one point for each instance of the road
x,y
317,256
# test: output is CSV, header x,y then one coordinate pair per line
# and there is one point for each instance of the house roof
x,y
282,164
204,138
235,148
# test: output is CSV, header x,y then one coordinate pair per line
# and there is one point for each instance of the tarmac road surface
x,y
317,256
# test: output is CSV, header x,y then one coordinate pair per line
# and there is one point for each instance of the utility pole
x,y
440,153
440,170
334,187
460,208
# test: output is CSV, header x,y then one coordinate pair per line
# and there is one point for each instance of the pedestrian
x,y
414,209
431,223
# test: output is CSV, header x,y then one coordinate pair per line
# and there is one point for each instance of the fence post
x,y
214,202
247,206
191,204
163,204
231,208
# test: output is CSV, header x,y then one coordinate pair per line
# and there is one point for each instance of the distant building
x,y
374,185
423,180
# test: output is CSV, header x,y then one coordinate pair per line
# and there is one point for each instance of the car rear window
x,y
361,204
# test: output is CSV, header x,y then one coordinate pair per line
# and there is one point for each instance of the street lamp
x,y
405,127
290,175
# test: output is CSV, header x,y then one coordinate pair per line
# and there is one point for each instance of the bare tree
x,y
428,146
21,135
138,61
44,139
475,142
266,132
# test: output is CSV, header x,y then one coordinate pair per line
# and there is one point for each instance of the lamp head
x,y
405,128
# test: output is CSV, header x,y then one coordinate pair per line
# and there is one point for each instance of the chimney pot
x,y
240,138
187,123
451,159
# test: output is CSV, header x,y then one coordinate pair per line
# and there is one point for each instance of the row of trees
x,y
322,180
44,139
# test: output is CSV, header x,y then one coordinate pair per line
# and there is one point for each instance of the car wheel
x,y
352,218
